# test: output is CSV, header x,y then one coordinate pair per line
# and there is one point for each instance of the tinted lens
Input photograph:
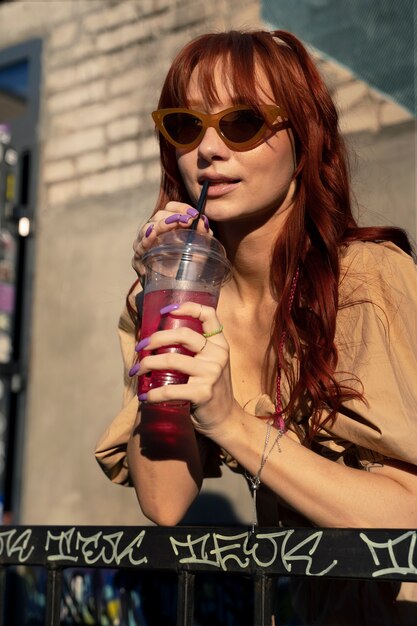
x,y
240,126
184,128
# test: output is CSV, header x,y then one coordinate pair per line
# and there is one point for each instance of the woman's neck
x,y
249,249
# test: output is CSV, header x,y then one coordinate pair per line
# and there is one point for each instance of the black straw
x,y
201,203
200,208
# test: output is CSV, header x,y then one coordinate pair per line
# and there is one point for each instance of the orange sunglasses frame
x,y
270,111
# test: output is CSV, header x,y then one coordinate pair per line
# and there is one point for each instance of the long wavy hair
x,y
321,220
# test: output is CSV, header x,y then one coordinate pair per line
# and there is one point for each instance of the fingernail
x,y
169,308
149,230
193,212
134,370
184,219
206,222
172,218
142,344
142,397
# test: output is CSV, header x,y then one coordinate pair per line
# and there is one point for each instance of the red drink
x,y
182,266
163,424
153,321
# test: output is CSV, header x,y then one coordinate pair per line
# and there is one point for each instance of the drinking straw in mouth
x,y
201,203
200,208
183,262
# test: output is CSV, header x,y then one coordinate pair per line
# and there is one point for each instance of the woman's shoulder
x,y
379,272
376,341
380,255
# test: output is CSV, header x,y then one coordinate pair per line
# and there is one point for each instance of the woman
x,y
311,382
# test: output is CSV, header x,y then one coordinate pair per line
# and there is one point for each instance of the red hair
x,y
321,220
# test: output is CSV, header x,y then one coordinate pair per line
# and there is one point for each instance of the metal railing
x,y
190,551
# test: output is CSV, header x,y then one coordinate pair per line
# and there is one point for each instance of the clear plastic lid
x,y
184,249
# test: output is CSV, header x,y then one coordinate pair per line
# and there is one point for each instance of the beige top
x,y
376,335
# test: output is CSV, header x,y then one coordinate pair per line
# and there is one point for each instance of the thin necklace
x,y
277,419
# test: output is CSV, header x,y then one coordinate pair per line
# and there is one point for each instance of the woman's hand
x,y
209,387
175,215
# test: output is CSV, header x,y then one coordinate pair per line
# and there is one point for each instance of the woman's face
x,y
242,184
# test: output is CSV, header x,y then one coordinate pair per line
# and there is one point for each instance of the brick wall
x,y
104,62
103,65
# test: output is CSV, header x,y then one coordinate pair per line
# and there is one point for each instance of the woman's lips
x,y
220,187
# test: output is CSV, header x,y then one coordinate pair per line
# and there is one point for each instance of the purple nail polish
x,y
193,212
142,397
142,344
172,218
134,369
169,308
184,219
149,230
206,222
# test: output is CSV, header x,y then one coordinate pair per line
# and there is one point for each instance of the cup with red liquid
x,y
182,266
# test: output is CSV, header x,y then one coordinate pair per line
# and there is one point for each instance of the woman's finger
x,y
181,363
175,215
196,394
186,337
212,328
162,221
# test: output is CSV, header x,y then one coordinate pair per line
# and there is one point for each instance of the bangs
x,y
242,60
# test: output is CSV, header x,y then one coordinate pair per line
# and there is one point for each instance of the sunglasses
x,y
240,127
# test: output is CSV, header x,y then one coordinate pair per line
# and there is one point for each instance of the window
x,y
13,90
19,106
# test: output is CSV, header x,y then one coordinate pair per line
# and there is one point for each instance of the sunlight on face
x,y
257,182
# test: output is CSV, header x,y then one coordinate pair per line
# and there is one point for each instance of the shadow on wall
x,y
211,508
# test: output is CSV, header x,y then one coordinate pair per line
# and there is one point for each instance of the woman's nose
x,y
212,146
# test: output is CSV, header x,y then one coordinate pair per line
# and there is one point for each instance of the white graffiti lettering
x,y
71,546
63,547
241,548
390,548
286,550
273,544
13,543
109,550
224,547
196,548
294,555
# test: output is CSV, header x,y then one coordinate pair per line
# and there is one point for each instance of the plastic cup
x,y
183,266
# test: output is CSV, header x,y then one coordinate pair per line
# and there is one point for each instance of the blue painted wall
x,y
374,38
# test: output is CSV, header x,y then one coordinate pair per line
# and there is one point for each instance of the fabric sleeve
x,y
111,450
376,339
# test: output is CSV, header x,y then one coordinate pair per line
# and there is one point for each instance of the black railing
x,y
189,551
